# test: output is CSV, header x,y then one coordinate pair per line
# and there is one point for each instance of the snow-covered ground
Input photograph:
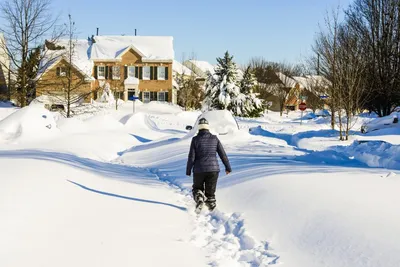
x,y
109,188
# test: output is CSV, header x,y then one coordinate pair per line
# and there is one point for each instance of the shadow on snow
x,y
129,198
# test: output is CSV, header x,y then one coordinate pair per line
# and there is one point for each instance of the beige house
x,y
131,65
4,66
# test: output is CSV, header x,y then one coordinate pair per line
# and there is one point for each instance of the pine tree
x,y
31,69
247,103
221,87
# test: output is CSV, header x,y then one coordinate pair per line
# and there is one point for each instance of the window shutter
x,y
140,73
106,74
110,73
153,96
166,73
58,71
137,72
141,96
125,72
155,73
166,96
152,73
95,72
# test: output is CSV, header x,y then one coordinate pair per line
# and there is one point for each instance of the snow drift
x,y
221,122
375,154
29,123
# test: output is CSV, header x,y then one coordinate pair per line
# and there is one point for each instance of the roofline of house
x,y
86,77
143,60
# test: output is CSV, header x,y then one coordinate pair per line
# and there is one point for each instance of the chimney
x,y
97,32
135,32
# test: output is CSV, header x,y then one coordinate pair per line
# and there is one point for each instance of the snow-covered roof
x,y
204,66
177,67
110,48
311,81
286,80
151,48
80,58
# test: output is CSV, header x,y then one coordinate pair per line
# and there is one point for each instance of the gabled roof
x,y
286,80
52,63
122,52
312,81
150,48
80,58
204,66
177,67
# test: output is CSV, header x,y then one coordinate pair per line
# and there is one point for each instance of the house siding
x,y
51,84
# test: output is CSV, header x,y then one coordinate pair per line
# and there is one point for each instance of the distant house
x,y
310,89
4,67
132,66
180,69
200,68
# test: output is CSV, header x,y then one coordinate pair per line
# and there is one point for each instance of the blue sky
x,y
278,30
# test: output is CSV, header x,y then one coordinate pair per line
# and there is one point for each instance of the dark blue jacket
x,y
203,154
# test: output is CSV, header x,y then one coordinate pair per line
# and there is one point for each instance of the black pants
x,y
205,182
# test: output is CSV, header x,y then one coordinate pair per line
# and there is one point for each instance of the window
x,y
146,73
146,97
116,72
101,72
161,96
161,73
131,71
61,71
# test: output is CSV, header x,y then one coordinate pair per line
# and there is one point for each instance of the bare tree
x,y
27,22
351,67
377,23
325,59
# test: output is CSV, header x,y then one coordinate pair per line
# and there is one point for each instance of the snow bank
x,y
71,125
260,131
220,121
28,123
375,154
103,123
160,107
6,108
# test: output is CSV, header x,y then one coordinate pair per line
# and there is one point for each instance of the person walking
x,y
202,159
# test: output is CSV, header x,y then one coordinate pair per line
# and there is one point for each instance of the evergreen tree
x,y
247,103
31,70
221,87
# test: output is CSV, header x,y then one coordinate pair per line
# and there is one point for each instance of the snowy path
x,y
292,201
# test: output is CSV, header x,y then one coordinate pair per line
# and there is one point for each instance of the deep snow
x,y
109,188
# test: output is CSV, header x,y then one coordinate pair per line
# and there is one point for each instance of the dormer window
x,y
61,71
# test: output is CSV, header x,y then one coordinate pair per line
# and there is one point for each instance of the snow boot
x,y
211,203
199,198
